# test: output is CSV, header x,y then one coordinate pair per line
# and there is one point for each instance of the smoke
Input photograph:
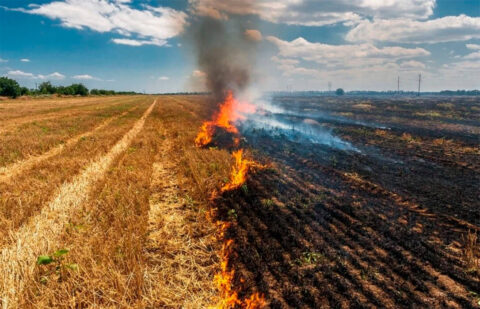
x,y
225,51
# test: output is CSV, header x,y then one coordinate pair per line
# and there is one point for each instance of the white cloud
x,y
20,74
3,60
163,78
473,46
362,66
462,66
26,75
412,64
314,12
25,60
445,29
475,55
343,56
55,75
131,42
152,24
85,77
459,75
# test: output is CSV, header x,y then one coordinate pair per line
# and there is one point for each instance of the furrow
x,y
10,171
40,235
170,245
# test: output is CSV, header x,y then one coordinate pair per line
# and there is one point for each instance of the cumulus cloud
x,y
459,75
27,75
20,74
473,46
163,78
25,60
361,66
131,42
462,67
332,56
155,24
445,29
85,77
314,12
475,55
412,64
55,75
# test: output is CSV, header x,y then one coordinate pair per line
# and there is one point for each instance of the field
x,y
106,202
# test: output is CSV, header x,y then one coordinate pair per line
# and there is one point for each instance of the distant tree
x,y
79,89
339,91
94,92
24,91
9,87
47,88
62,90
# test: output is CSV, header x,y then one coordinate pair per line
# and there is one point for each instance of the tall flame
x,y
230,111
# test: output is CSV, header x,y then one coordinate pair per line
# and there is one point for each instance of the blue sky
x,y
302,44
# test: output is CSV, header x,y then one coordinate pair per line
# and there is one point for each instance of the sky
x,y
145,45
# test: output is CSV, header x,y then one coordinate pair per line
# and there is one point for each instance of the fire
x,y
240,170
224,280
255,301
230,111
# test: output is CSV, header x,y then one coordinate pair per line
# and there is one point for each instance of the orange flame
x,y
230,111
240,170
224,280
255,301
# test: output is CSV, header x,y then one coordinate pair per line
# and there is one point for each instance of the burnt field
x,y
367,202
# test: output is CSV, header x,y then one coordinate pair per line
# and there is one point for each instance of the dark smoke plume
x,y
225,53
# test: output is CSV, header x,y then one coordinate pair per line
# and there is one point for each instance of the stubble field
x,y
106,202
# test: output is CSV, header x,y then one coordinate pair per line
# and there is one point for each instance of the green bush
x,y
47,88
24,91
79,89
9,87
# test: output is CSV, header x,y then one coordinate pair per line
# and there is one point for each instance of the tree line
x,y
10,88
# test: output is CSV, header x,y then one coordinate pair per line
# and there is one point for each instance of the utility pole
x,y
419,82
329,86
398,85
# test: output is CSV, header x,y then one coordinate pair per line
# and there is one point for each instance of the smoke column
x,y
224,53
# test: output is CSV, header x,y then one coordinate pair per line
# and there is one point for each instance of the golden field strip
x,y
117,182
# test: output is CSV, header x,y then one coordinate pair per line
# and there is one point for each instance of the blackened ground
x,y
384,227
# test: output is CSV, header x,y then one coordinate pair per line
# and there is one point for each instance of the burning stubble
x,y
224,53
